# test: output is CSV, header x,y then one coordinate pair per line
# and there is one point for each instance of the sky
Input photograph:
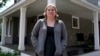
x,y
99,3
8,4
0,1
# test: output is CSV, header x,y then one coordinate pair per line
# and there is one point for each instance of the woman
x,y
49,36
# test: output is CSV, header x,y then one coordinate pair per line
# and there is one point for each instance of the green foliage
x,y
3,3
0,50
16,53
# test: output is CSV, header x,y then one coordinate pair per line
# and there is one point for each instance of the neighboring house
x,y
79,16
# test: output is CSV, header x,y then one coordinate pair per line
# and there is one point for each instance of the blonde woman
x,y
49,35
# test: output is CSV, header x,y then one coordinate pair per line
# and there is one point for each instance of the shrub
x,y
16,53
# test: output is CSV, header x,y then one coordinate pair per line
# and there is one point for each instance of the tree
x,y
3,2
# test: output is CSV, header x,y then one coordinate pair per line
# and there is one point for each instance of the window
x,y
40,17
75,22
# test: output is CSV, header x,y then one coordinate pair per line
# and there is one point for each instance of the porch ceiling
x,y
66,6
63,6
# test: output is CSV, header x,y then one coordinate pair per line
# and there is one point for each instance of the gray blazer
x,y
39,32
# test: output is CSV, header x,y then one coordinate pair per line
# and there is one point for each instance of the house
x,y
79,16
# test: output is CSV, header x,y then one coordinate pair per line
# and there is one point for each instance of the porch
x,y
70,51
21,22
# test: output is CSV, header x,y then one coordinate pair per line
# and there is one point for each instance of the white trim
x,y
11,8
10,27
16,7
51,2
86,4
99,3
78,24
3,31
96,31
22,28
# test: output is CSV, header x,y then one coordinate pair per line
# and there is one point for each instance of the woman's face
x,y
50,12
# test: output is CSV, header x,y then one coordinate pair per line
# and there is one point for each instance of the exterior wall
x,y
29,27
9,32
86,27
30,24
15,30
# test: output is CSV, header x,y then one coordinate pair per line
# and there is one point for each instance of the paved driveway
x,y
95,53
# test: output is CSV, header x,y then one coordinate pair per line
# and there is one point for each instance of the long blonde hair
x,y
47,8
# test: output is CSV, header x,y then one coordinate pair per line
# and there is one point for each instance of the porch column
x,y
3,31
9,39
51,2
96,31
21,46
9,27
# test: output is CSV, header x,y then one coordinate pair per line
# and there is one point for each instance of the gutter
x,y
15,7
87,5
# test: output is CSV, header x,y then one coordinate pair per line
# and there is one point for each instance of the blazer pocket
x,y
39,50
57,53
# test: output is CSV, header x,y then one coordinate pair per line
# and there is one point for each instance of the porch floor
x,y
94,53
28,49
76,51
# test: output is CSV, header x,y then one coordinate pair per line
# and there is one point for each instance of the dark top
x,y
49,47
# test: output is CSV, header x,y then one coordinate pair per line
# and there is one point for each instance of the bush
x,y
16,53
